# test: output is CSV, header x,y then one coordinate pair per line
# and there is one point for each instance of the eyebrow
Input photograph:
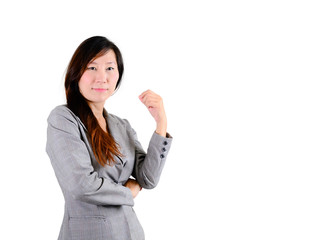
x,y
106,63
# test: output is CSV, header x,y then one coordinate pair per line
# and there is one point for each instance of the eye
x,y
91,68
110,68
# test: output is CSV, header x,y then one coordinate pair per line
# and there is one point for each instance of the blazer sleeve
x,y
148,165
72,164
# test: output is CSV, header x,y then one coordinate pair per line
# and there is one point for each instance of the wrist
x,y
162,128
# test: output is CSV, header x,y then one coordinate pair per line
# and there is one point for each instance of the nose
x,y
101,76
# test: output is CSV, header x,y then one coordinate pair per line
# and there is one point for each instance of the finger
x,y
148,93
149,96
142,95
149,100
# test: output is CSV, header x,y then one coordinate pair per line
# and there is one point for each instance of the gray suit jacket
x,y
97,205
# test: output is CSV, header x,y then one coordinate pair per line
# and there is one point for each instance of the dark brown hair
x,y
103,144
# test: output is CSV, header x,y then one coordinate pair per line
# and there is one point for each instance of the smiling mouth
x,y
100,89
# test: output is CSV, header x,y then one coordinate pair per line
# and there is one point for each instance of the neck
x,y
97,110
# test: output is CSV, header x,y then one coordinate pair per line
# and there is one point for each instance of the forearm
x,y
148,166
83,183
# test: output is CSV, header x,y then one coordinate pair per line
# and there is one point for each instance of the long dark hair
x,y
103,144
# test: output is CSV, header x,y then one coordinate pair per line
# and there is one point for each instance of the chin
x,y
100,100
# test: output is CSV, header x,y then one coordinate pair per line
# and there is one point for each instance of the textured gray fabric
x,y
97,205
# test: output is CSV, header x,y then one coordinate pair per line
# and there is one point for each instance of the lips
x,y
100,89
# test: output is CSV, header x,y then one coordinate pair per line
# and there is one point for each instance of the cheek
x,y
84,83
115,79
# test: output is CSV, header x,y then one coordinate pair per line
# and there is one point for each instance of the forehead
x,y
107,58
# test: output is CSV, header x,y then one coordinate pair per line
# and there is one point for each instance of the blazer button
x,y
161,156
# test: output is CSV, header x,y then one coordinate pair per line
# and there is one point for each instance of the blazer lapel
x,y
116,131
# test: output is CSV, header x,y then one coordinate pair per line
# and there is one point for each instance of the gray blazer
x,y
97,205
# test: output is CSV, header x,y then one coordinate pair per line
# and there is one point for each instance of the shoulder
x,y
62,113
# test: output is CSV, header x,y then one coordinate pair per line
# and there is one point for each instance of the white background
x,y
240,82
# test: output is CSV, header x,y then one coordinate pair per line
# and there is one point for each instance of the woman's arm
x,y
148,166
72,164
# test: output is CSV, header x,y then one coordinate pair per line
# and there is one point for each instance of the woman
x,y
94,153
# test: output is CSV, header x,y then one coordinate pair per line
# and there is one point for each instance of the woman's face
x,y
99,80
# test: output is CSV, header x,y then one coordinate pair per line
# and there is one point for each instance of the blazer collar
x,y
111,121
